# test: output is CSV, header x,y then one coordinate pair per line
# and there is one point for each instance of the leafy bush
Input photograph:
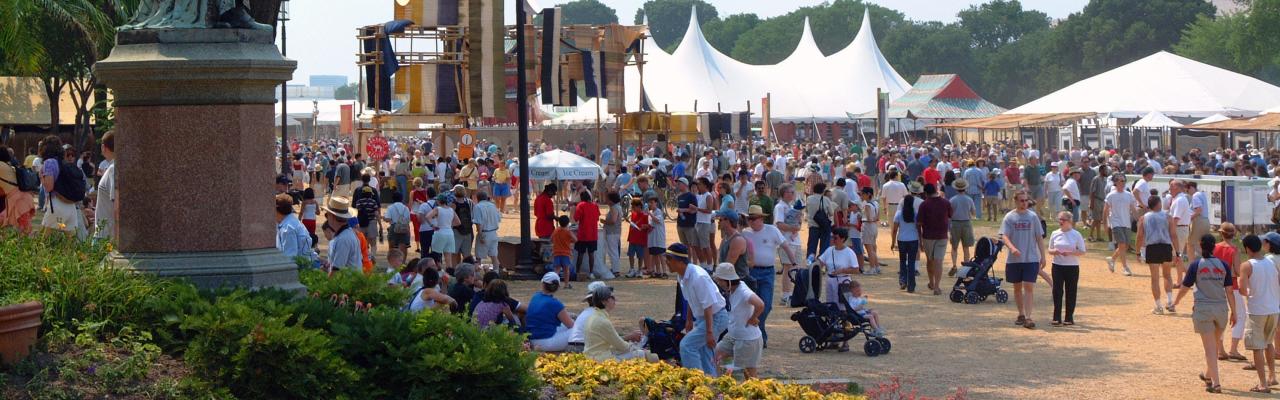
x,y
356,286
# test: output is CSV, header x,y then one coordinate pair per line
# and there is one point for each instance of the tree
x,y
591,12
1000,22
1210,40
1246,42
724,33
668,19
346,92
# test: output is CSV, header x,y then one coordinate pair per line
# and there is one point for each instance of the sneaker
x,y
784,300
879,332
1170,309
1157,311
1127,272
1111,264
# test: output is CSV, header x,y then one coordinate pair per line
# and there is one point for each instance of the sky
x,y
322,32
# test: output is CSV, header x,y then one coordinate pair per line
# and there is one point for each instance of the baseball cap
x,y
683,180
727,214
678,251
550,277
1272,238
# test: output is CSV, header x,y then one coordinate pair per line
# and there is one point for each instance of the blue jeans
x,y
977,204
907,253
694,352
819,241
764,288
856,245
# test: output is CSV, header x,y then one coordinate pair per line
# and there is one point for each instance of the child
x,y
856,301
308,216
561,248
409,277
657,240
395,261
637,239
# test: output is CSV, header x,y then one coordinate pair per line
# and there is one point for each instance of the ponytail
x,y
909,209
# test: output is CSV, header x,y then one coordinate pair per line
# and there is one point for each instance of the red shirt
x,y
1013,175
587,214
934,218
1226,253
544,210
932,177
863,181
638,229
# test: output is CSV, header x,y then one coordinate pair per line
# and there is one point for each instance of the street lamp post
x,y
524,256
284,92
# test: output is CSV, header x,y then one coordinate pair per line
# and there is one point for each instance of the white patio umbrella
x,y
562,165
662,162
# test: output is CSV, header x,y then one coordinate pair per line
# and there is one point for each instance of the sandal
x,y
1020,321
1205,379
1223,357
1213,389
1068,323
1029,324
1056,323
1249,367
1256,389
1236,357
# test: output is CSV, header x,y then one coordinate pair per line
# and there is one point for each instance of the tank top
x,y
1155,228
740,264
444,220
308,211
1264,289
420,303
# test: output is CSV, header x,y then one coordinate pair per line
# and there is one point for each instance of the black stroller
x,y
826,326
974,281
663,337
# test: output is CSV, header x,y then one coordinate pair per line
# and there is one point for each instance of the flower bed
x,y
576,377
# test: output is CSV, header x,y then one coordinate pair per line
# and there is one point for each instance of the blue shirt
x,y
906,230
543,316
683,201
344,250
976,180
678,170
624,179
606,156
292,237
992,188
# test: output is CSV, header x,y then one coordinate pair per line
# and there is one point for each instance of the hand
x,y
1016,252
1232,319
688,326
711,341
753,321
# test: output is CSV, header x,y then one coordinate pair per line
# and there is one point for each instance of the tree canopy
x,y
591,12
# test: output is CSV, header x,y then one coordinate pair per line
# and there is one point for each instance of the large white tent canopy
x,y
1164,82
805,85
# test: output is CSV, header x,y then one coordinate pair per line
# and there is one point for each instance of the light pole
x,y
284,92
315,120
524,256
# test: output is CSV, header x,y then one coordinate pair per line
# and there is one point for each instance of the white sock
x,y
1169,297
1158,304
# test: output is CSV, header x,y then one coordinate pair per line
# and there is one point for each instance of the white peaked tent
x,y
1163,82
806,85
1272,110
1156,119
1211,119
562,165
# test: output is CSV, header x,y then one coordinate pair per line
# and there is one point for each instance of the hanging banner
x,y
346,119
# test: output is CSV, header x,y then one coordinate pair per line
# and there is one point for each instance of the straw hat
x,y
755,212
915,187
340,207
960,184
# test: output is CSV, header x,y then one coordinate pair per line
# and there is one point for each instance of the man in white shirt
x,y
292,237
1180,210
765,240
400,227
1071,191
1118,210
1142,189
704,228
486,218
1199,216
892,193
790,228
426,229
707,317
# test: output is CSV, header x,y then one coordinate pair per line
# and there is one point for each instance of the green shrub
x,y
355,285
257,355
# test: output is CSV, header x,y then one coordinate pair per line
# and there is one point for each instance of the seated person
x,y
429,295
409,277
547,321
856,301
601,340
496,307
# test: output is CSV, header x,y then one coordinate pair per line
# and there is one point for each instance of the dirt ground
x,y
1116,350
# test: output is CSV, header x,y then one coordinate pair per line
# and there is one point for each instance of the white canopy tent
x,y
1272,110
1156,119
290,121
1164,82
586,113
1211,119
806,85
330,109
562,165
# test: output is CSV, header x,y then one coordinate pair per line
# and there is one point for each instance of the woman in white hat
x,y
744,341
600,339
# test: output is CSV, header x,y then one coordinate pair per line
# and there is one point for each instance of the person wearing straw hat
x,y
765,240
745,337
708,317
344,246
963,211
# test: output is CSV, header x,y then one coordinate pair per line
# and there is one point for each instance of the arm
x,y
736,248
893,235
456,221
1173,234
1106,211
442,300
1246,272
1139,240
758,305
707,315
565,318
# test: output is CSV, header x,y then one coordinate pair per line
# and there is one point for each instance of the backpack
x,y
26,180
70,183
820,217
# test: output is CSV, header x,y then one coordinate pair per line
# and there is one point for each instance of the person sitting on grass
x,y
600,340
409,276
547,321
562,241
856,301
495,308
429,295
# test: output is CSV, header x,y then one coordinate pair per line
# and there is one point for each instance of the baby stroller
x,y
663,337
826,326
974,281
808,285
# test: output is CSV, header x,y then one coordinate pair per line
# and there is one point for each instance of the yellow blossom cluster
x,y
578,378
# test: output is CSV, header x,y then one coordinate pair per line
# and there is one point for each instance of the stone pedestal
x,y
195,154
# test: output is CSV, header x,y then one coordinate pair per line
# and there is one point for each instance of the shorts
x,y
870,232
688,235
463,243
1021,272
1158,253
398,239
934,249
1184,232
1259,330
789,260
962,232
487,244
584,246
635,250
746,353
1210,318
561,261
1037,192
501,190
703,235
1121,235
64,216
443,242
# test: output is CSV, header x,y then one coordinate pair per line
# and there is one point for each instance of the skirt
x,y
501,190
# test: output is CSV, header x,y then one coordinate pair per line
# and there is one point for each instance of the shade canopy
x,y
563,166
1156,119
1211,119
1164,82
943,96
805,85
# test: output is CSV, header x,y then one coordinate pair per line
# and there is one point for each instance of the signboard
x,y
377,147
1241,201
564,174
467,144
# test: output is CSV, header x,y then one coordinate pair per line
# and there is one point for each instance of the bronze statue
x,y
193,14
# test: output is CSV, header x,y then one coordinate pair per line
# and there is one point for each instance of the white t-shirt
x,y
1180,210
700,291
1070,241
765,242
704,218
780,216
1072,187
740,310
422,211
838,260
575,334
1144,191
398,213
1122,204
893,192
104,214
1053,182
